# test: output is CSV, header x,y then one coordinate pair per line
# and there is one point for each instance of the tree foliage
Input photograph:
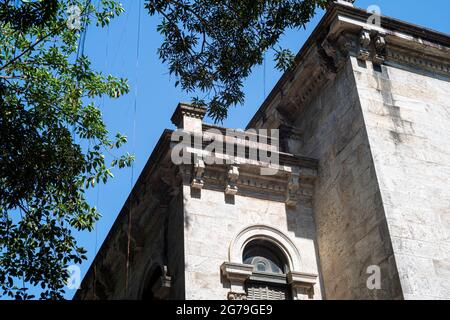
x,y
52,141
212,45
52,136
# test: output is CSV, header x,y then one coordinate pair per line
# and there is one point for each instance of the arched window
x,y
157,285
148,293
265,257
268,281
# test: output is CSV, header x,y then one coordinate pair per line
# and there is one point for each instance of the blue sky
x,y
113,50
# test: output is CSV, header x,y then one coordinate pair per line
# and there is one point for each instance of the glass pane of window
x,y
265,257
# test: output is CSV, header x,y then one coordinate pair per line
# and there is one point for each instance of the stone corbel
x,y
290,139
327,61
300,185
185,173
364,45
335,51
293,188
380,48
199,171
237,274
161,288
231,188
302,284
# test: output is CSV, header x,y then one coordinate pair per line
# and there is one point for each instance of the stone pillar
x,y
188,117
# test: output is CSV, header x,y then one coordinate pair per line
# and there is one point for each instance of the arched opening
x,y
268,280
149,289
265,256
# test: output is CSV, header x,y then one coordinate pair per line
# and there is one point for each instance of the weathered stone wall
x,y
351,227
175,248
156,239
210,224
407,115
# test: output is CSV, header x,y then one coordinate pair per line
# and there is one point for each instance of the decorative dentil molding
x,y
403,56
291,185
248,175
320,66
347,31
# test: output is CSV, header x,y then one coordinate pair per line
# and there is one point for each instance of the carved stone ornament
x,y
292,197
161,288
199,171
233,176
380,49
236,296
364,45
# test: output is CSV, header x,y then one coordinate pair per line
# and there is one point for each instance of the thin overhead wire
x,y
81,43
122,35
136,92
264,77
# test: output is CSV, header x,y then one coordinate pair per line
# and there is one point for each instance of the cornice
x,y
341,33
290,185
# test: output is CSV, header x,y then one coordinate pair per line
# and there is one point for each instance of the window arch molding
x,y
153,271
156,282
263,232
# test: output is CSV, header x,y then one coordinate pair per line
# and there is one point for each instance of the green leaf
x,y
49,114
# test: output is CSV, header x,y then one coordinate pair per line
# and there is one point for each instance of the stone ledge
x,y
301,279
236,271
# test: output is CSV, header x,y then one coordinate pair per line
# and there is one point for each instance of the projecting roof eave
x,y
404,31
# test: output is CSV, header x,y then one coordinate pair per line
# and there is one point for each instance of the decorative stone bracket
x,y
364,45
302,284
372,44
292,196
380,48
231,188
199,171
237,274
161,288
296,185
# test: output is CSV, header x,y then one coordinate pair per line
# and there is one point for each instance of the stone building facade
x,y
361,183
